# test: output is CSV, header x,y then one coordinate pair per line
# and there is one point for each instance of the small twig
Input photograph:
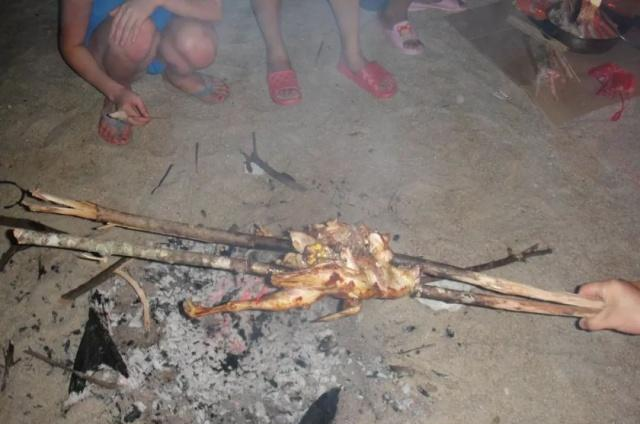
x,y
9,361
281,177
162,179
146,313
95,281
121,115
318,53
196,155
424,346
23,193
85,376
511,258
8,254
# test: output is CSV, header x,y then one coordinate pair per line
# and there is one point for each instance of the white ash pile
x,y
231,368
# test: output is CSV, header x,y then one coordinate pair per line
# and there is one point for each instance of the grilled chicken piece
x,y
333,259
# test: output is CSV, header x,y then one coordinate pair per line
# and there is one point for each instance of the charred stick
x,y
96,280
61,365
116,248
164,176
9,361
503,302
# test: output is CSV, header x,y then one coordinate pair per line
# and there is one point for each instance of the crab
x,y
350,263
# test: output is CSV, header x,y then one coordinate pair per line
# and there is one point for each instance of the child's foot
x,y
371,77
282,81
204,87
403,36
113,131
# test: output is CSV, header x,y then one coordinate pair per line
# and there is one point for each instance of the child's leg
x,y
396,11
402,35
124,64
283,84
369,76
188,45
347,13
267,13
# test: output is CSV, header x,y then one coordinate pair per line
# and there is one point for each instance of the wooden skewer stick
x,y
240,265
94,212
118,248
503,302
505,286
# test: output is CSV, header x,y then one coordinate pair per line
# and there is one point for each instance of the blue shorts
x,y
100,11
374,5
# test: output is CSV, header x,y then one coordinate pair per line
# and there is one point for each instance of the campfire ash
x,y
253,367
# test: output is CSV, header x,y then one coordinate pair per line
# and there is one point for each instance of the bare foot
x,y
113,131
202,86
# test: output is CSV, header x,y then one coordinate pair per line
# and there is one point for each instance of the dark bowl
x,y
587,45
575,43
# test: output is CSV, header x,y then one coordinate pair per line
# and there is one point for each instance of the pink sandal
x,y
402,33
284,80
372,78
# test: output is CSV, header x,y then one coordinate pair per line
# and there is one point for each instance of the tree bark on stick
x,y
503,302
240,265
117,248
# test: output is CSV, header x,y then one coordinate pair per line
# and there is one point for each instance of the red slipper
x,y
372,78
280,81
114,131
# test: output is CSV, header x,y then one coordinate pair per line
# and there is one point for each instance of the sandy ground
x,y
458,174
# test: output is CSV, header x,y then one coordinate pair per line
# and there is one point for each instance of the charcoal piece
x,y
133,415
96,346
324,409
8,254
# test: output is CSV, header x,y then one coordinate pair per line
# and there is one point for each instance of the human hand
x,y
128,18
621,310
132,104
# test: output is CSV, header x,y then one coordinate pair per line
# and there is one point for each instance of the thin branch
x,y
146,312
91,211
85,376
164,176
502,302
9,362
96,280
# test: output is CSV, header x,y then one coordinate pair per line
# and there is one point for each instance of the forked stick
x,y
241,265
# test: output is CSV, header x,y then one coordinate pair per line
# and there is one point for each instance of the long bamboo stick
x,y
240,265
503,302
94,212
505,286
118,248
